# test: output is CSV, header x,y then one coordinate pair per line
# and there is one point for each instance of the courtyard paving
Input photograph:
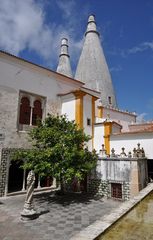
x,y
60,217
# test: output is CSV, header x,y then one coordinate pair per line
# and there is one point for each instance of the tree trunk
x,y
63,186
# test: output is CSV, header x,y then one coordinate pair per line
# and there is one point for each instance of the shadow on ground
x,y
42,212
65,199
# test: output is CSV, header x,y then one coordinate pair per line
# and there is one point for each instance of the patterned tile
x,y
60,217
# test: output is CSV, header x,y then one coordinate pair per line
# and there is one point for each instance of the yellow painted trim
x,y
100,112
107,132
93,119
79,108
79,112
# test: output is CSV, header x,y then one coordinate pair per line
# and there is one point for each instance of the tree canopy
x,y
58,149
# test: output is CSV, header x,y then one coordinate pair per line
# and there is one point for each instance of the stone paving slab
x,y
101,225
60,217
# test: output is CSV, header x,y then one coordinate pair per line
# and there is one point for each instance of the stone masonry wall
x,y
9,99
103,188
98,187
126,191
4,161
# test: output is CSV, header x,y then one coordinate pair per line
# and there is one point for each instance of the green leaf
x,y
58,149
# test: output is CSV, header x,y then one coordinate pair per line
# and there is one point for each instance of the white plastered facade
x,y
130,141
121,117
68,106
98,136
18,76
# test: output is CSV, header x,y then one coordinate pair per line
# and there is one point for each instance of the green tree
x,y
58,149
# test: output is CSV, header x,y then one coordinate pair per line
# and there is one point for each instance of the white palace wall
x,y
123,118
98,136
16,77
68,106
130,141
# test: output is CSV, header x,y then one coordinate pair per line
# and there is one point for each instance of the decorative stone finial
x,y
143,153
129,155
64,66
103,147
108,117
113,153
134,153
139,152
102,152
123,154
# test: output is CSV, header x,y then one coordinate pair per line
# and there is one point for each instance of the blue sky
x,y
32,29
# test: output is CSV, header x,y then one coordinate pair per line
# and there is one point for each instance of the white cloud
x,y
23,26
116,69
66,6
141,117
118,51
148,45
136,49
141,48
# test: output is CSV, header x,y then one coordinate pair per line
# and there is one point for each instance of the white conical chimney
x,y
64,66
92,68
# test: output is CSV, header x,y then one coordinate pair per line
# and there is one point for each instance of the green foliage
x,y
58,149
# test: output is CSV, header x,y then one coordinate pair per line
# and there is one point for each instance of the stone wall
x,y
9,109
127,173
103,188
4,169
126,191
98,187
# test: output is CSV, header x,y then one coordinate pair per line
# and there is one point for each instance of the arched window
x,y
24,111
37,112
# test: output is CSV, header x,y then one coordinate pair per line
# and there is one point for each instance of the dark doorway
x,y
15,177
116,190
150,169
46,181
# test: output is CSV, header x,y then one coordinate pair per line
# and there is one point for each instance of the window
x,y
109,100
88,121
37,112
24,111
31,110
116,190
